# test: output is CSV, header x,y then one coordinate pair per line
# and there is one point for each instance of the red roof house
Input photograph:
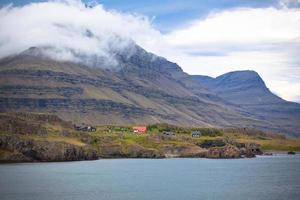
x,y
140,129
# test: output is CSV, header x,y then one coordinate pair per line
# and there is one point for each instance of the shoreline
x,y
274,154
280,152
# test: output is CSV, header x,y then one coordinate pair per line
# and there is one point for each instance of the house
x,y
91,129
196,134
168,133
84,128
139,129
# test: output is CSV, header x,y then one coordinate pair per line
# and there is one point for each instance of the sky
x,y
207,37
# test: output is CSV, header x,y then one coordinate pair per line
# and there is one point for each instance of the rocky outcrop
x,y
226,148
227,151
21,90
249,150
132,151
183,151
212,143
32,150
137,151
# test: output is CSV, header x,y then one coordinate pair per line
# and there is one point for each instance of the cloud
x,y
232,30
289,3
266,40
71,28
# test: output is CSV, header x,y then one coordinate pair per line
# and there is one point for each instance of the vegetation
x,y
268,143
124,135
159,128
121,141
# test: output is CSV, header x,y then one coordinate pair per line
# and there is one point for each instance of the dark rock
x,y
111,151
212,143
137,151
268,154
183,151
227,151
31,150
132,151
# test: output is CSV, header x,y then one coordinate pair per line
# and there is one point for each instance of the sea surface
x,y
265,178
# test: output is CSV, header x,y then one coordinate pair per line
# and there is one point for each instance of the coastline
x,y
46,138
275,153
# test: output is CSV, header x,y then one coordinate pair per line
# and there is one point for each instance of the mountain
x,y
247,90
141,88
240,87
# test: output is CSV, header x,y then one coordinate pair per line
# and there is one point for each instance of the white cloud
x,y
266,40
69,25
235,28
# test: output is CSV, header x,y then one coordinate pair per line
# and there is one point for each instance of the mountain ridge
x,y
247,90
144,89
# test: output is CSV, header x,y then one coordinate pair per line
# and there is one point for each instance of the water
x,y
276,177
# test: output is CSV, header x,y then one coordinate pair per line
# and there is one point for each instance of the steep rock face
x,y
230,149
247,90
227,151
113,150
184,151
32,150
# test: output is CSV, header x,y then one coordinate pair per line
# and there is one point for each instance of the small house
x,y
84,128
196,134
139,129
91,129
168,133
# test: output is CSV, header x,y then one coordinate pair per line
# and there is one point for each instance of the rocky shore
x,y
43,138
17,149
30,150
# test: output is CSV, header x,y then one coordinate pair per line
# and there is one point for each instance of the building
x,y
140,129
196,134
84,128
168,133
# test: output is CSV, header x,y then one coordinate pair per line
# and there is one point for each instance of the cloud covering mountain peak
x,y
71,28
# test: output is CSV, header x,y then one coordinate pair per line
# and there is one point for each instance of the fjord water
x,y
275,177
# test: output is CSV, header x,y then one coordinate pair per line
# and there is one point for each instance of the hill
x,y
247,90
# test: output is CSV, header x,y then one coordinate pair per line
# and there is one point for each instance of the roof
x,y
140,128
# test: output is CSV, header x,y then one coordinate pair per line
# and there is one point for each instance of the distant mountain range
x,y
142,89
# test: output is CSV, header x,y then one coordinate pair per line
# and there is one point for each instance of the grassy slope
x,y
148,140
123,137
